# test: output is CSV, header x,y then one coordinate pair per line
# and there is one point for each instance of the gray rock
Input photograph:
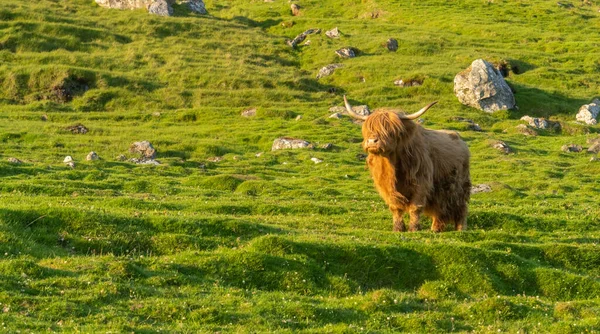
x,y
526,130
71,164
144,161
196,6
121,157
541,123
44,117
361,110
77,129
328,70
482,86
571,148
338,109
125,4
15,161
249,112
144,148
336,115
160,8
501,146
595,148
333,33
327,146
289,143
408,83
345,53
68,159
392,44
316,160
481,188
300,38
589,112
92,156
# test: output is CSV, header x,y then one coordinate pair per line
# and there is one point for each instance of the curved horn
x,y
418,113
351,112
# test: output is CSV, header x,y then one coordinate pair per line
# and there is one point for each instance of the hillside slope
x,y
273,241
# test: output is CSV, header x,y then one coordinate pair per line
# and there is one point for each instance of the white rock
x,y
316,160
588,113
68,159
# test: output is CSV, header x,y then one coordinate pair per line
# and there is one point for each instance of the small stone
x,y
295,9
92,156
481,188
307,43
15,161
236,158
595,148
392,44
328,70
156,114
71,164
249,112
77,129
345,53
408,83
144,161
337,109
301,37
68,159
316,160
541,123
259,154
501,146
525,130
336,115
289,143
327,146
44,117
299,117
121,157
333,33
143,147
571,148
594,159
215,159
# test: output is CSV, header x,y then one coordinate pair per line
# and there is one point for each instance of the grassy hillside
x,y
275,242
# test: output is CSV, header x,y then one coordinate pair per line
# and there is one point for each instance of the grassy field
x,y
275,242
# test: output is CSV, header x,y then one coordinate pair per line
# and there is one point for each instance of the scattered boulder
x,y
289,143
345,53
336,115
121,157
15,161
44,117
571,148
68,159
392,44
295,9
328,70
196,6
337,109
408,82
144,148
160,8
327,146
482,86
526,130
300,38
589,112
481,188
361,110
316,160
249,112
215,159
501,146
92,156
541,123
333,33
77,129
595,148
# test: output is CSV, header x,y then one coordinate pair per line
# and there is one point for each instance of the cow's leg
x,y
437,225
398,220
415,215
461,222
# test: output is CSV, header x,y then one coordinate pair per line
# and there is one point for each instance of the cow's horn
x,y
351,112
418,113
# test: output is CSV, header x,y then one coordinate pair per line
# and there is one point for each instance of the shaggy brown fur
x,y
418,171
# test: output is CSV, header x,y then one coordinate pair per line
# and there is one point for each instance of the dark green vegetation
x,y
277,243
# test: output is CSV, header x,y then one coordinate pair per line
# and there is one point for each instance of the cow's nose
x,y
372,141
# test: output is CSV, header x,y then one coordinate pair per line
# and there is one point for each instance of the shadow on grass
x,y
538,103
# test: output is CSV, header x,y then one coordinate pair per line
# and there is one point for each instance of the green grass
x,y
276,243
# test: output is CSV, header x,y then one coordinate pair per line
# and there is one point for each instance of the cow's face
x,y
382,132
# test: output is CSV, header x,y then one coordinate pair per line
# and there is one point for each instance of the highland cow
x,y
416,170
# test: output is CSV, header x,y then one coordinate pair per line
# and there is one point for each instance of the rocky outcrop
x,y
160,8
328,70
289,143
482,86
